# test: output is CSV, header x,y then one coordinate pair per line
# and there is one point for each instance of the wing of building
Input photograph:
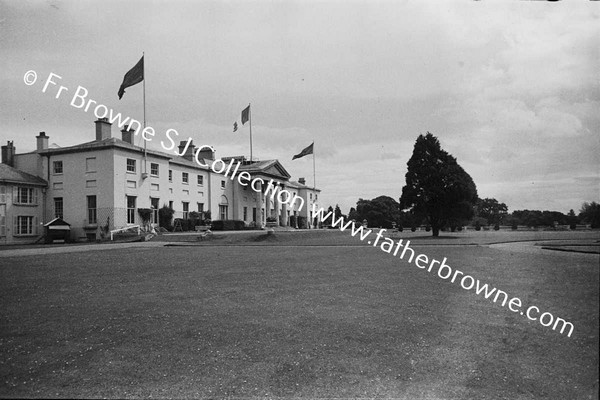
x,y
99,186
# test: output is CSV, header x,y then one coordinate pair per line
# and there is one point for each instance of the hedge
x,y
228,225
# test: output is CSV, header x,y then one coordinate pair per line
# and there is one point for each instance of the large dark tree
x,y
436,186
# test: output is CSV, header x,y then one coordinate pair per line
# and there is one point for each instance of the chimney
x,y
102,129
302,181
127,134
42,141
8,154
206,153
189,149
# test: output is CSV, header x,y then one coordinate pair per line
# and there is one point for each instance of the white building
x,y
98,186
21,205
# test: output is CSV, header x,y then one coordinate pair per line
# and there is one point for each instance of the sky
x,y
511,88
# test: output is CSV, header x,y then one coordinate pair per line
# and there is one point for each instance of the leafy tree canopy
x,y
491,210
590,214
382,211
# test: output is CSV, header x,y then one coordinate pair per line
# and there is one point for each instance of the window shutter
x,y
15,198
35,196
2,225
35,225
15,230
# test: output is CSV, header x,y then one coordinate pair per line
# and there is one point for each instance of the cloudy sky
x,y
510,88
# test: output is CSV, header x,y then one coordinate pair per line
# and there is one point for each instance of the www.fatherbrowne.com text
x,y
443,270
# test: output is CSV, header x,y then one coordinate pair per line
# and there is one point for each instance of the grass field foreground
x,y
276,320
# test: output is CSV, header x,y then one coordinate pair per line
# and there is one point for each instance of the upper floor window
x,y
185,177
154,169
130,165
25,196
200,180
90,164
57,167
170,175
222,184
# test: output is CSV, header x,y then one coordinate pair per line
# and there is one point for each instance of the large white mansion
x,y
99,185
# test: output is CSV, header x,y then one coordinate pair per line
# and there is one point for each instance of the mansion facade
x,y
98,186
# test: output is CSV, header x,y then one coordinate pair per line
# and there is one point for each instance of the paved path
x,y
37,251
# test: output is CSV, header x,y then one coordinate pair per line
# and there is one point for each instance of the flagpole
x,y
250,121
144,96
314,173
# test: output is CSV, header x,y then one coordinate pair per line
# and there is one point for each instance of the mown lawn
x,y
281,321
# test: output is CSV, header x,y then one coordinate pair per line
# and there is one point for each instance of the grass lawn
x,y
274,320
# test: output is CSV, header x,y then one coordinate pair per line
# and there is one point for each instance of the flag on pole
x,y
235,126
134,76
306,151
245,114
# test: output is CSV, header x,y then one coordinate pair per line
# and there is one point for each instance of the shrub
x,y
228,225
497,227
302,222
477,225
206,218
573,226
165,217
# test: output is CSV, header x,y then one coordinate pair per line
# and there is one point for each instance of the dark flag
x,y
134,76
245,115
235,126
308,150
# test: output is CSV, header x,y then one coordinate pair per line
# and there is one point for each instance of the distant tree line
x,y
385,212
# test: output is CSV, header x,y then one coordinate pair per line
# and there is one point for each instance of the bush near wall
x,y
228,225
302,222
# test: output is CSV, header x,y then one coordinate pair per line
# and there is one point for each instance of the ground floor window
x,y
223,211
154,201
24,225
254,214
245,213
58,207
92,210
131,209
186,209
2,219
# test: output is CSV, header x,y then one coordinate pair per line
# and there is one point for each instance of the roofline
x,y
4,180
184,161
92,146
